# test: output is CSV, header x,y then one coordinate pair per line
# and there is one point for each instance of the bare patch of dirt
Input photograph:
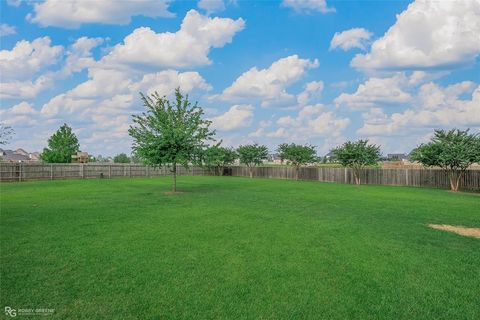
x,y
461,230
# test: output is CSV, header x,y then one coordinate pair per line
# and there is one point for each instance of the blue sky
x,y
305,71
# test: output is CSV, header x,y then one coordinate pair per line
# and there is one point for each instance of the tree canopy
x,y
170,133
6,133
357,155
454,151
252,155
297,155
121,158
61,146
217,157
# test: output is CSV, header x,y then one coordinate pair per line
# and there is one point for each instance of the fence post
x,y
20,172
346,175
146,171
82,170
51,172
406,177
109,171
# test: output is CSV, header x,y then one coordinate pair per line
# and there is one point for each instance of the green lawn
x,y
237,248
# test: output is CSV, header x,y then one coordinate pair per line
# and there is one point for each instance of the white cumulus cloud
x,y
238,116
74,13
187,47
79,55
312,121
377,91
269,85
211,6
27,59
433,107
22,114
25,89
313,90
428,34
308,6
349,39
7,30
165,82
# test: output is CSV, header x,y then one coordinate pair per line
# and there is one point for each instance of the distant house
x,y
19,155
80,157
397,157
22,152
274,158
329,157
34,156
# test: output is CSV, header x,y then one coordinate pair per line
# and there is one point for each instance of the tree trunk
x,y
455,180
452,183
356,174
296,172
174,187
251,172
458,181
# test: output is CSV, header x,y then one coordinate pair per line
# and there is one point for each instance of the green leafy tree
x,y
121,158
357,155
6,133
170,133
252,155
453,151
61,146
297,155
217,157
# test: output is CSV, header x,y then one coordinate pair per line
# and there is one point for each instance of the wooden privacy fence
x,y
30,171
434,178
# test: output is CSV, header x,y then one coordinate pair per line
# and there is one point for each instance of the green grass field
x,y
237,248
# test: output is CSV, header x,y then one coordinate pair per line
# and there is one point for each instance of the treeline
x,y
171,133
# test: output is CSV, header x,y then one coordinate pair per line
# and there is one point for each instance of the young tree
x,y
217,157
297,155
6,133
121,158
170,133
357,155
252,155
61,146
453,151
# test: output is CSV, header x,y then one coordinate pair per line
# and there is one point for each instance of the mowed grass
x,y
237,248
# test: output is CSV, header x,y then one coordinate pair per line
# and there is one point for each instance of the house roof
x,y
274,156
397,155
11,156
15,156
21,151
